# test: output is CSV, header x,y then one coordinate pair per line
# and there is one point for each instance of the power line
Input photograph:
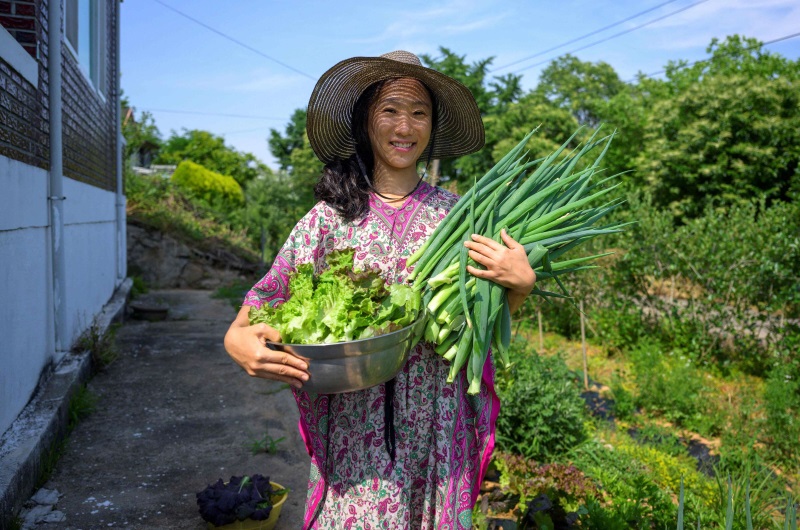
x,y
202,113
689,65
673,13
240,43
576,39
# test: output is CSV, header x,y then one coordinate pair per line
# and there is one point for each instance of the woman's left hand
x,y
506,264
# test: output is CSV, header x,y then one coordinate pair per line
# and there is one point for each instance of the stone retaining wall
x,y
164,262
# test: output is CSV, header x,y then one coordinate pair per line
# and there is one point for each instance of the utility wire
x,y
240,43
201,113
576,39
673,13
689,65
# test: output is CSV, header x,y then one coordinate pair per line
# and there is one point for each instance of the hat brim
x,y
458,131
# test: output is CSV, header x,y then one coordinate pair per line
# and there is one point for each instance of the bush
x,y
542,413
782,397
668,385
631,496
219,191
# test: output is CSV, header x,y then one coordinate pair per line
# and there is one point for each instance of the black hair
x,y
345,183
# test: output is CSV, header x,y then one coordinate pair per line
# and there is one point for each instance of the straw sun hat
x,y
459,128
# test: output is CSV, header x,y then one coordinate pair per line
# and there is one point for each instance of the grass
x,y
100,345
81,404
233,293
267,444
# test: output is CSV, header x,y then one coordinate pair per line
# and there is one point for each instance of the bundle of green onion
x,y
544,205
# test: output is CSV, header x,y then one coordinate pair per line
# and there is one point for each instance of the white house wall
x,y
26,303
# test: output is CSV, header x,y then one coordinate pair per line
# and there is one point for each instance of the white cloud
x,y
455,17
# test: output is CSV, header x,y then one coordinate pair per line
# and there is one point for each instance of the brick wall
x,y
20,18
89,119
24,108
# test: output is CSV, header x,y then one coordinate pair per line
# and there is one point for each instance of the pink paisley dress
x,y
443,437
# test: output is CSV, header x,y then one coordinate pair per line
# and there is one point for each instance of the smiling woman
x,y
411,452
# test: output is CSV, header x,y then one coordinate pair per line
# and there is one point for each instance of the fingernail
x,y
304,377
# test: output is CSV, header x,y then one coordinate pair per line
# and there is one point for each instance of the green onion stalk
x,y
549,206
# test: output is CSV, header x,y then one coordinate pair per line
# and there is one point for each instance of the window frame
x,y
96,72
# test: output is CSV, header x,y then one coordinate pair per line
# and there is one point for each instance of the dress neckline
x,y
389,206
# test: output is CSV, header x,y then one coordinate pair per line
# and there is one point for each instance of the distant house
x,y
62,208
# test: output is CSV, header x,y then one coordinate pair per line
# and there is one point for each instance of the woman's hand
x,y
246,345
506,265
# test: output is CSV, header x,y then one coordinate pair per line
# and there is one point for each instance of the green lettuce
x,y
341,304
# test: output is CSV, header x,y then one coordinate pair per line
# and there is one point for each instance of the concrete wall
x,y
26,299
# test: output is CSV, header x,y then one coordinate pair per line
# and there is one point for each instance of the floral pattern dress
x,y
443,437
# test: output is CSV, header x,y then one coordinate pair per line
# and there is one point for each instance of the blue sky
x,y
170,63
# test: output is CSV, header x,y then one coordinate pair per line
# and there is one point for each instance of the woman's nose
x,y
403,125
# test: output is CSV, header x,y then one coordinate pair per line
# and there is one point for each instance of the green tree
x,y
493,98
729,130
579,86
138,132
282,145
210,151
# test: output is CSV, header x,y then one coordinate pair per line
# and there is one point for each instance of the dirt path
x,y
174,414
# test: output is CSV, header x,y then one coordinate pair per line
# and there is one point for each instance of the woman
x,y
409,453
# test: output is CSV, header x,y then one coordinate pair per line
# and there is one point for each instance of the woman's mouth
x,y
404,146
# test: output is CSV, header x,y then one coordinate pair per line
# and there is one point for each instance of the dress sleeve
x,y
302,246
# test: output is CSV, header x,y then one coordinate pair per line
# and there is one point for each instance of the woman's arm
x,y
245,344
506,265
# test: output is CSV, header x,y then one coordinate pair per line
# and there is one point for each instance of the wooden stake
x,y
583,342
541,330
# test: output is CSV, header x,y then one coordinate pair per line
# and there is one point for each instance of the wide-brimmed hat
x,y
459,128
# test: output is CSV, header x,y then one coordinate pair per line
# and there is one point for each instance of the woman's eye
x,y
389,110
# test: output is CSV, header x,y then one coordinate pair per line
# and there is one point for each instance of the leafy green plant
x,y
669,385
564,484
220,191
139,287
100,345
233,293
267,444
782,397
629,492
543,413
624,403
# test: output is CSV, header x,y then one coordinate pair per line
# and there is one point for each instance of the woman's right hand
x,y
246,345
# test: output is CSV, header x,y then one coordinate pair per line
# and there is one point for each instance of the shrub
x,y
631,496
782,401
624,405
670,386
219,191
542,412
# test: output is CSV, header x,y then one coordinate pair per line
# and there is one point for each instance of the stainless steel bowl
x,y
355,365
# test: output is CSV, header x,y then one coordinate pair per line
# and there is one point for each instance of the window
x,y
85,23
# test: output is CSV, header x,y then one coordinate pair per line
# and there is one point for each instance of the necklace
x,y
382,196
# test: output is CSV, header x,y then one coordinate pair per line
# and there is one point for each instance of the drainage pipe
x,y
120,198
56,193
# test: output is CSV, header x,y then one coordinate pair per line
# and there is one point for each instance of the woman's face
x,y
400,121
